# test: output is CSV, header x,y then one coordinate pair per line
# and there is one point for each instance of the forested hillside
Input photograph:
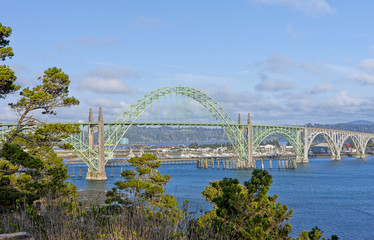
x,y
174,134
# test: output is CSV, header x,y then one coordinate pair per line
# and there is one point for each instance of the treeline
x,y
271,142
368,128
166,134
195,145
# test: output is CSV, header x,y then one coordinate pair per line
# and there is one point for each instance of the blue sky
x,y
284,61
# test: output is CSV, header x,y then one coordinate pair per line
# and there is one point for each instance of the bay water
x,y
336,196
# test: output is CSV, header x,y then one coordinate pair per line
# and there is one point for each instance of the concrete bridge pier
x,y
300,159
251,162
360,155
100,174
304,159
335,157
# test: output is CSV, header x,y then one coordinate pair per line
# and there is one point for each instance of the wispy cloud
x,y
171,66
267,84
366,64
275,63
364,78
308,7
113,72
365,72
90,41
199,79
144,21
343,98
279,64
322,88
290,31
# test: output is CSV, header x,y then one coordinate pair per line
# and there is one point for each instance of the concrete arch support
x,y
329,136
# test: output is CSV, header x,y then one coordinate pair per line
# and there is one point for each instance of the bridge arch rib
x,y
132,113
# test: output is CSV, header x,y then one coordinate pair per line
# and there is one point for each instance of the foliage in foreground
x,y
246,212
239,212
144,191
7,76
29,168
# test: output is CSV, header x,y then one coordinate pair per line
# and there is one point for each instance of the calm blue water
x,y
336,196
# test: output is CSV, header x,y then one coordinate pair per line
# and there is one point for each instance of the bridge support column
x,y
100,174
251,162
306,150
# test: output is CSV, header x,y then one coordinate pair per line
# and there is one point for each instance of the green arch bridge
x,y
244,137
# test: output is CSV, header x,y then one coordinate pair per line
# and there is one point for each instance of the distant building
x,y
124,141
320,148
266,148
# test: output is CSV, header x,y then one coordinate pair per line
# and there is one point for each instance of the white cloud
x,y
366,64
309,7
275,63
105,85
7,115
108,80
364,78
111,109
267,84
322,88
106,103
346,102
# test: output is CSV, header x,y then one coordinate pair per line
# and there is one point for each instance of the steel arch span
x,y
132,113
